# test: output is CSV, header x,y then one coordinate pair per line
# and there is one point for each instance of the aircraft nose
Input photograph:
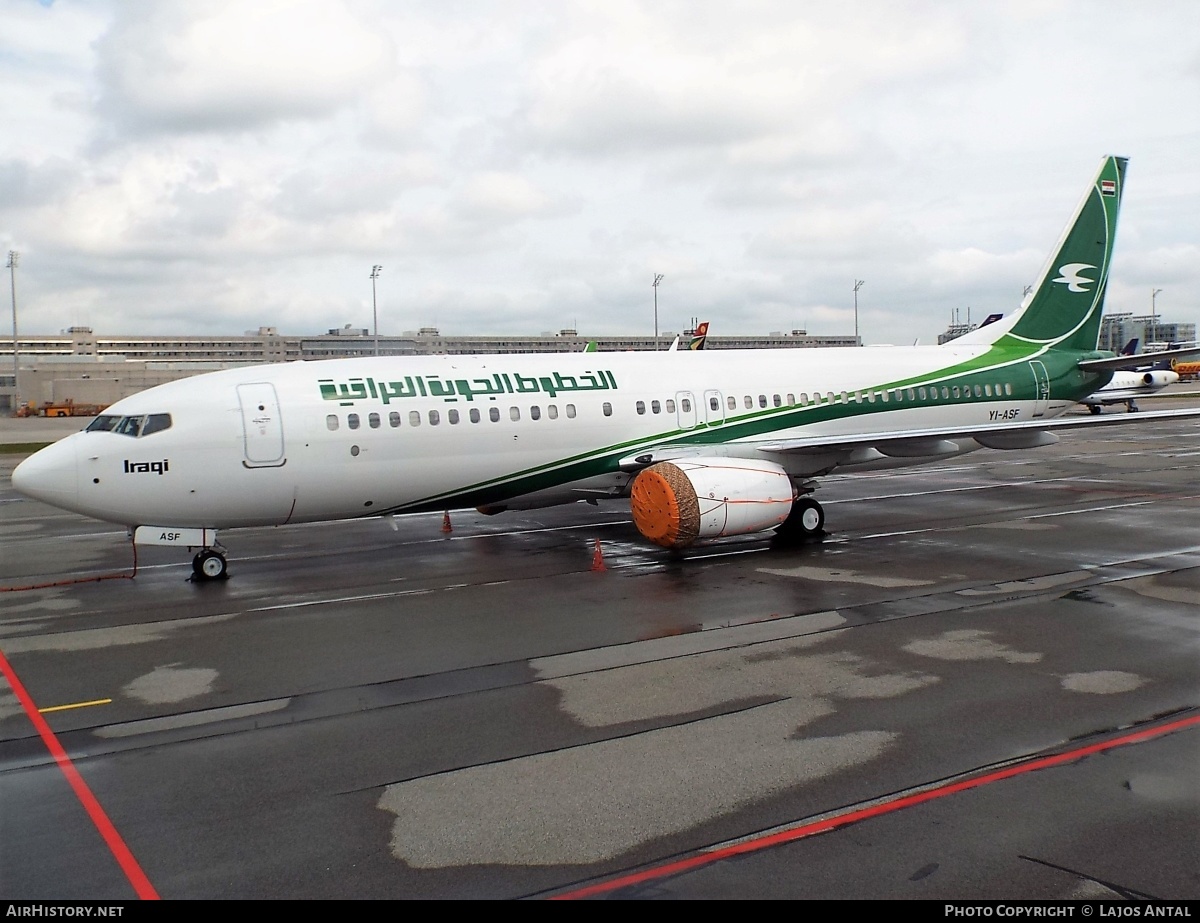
x,y
49,475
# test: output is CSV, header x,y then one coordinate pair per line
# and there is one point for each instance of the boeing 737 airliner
x,y
701,443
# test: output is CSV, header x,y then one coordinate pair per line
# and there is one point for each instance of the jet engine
x,y
1158,379
676,503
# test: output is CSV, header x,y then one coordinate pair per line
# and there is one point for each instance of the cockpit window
x,y
140,425
156,422
131,426
104,423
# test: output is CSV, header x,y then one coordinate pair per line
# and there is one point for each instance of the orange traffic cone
x,y
598,558
446,527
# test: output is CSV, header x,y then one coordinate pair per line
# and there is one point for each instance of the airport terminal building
x,y
82,366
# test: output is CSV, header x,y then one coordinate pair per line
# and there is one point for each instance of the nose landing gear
x,y
210,564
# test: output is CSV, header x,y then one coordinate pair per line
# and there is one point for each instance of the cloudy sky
x,y
524,166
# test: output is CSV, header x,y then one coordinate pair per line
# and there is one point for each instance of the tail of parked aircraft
x,y
1064,309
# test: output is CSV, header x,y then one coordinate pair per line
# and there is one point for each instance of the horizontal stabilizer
x,y
1141,361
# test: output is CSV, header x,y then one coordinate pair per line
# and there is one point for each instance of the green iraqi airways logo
x,y
451,390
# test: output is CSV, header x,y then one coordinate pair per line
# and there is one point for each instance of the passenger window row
x,y
897,395
453,417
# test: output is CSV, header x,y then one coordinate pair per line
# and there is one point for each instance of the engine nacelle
x,y
676,503
1159,378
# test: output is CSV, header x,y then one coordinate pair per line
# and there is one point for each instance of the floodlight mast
x,y
858,283
375,271
657,278
13,259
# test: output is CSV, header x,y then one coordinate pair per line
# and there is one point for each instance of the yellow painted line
x,y
43,711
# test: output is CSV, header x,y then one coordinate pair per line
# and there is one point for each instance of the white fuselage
x,y
310,441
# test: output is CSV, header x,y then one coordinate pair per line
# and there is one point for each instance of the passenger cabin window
x,y
607,409
656,407
641,408
474,414
331,421
494,414
414,418
714,404
352,420
570,411
535,412
452,416
552,411
434,418
373,420
394,418
670,406
514,413
732,402
685,405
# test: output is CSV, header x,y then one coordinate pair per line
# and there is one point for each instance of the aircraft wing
x,y
1140,361
1015,435
909,443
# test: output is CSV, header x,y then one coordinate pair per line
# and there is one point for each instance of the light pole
x,y
1153,316
657,278
858,283
13,258
375,271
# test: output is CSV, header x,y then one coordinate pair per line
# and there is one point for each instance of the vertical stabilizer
x,y
1065,307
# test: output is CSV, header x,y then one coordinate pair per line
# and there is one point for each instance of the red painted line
x,y
129,865
793,834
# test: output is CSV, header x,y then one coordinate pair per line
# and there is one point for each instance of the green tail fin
x,y
1064,310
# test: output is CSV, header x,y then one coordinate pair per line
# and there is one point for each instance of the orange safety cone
x,y
446,527
598,558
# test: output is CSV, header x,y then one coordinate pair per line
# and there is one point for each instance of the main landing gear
x,y
806,520
210,564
